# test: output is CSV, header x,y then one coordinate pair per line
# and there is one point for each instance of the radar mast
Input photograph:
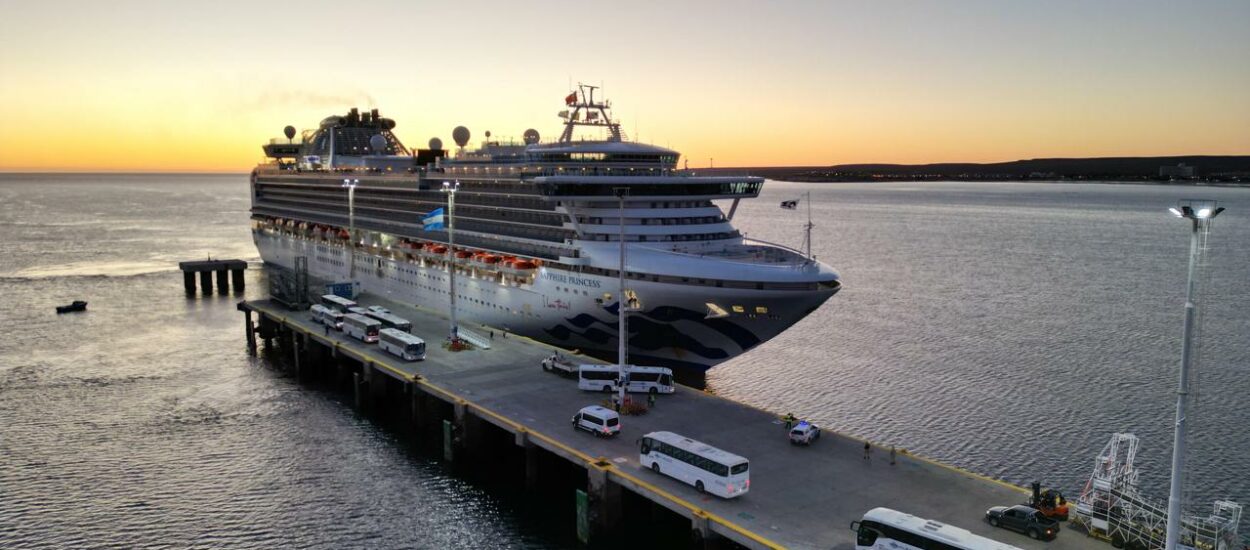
x,y
585,111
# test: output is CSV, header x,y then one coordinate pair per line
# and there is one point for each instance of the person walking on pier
x,y
867,451
651,400
327,330
790,418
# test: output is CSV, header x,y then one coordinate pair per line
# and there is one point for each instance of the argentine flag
x,y
433,221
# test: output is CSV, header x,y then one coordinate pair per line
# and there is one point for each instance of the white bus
x,y
326,316
391,321
709,469
334,301
883,528
641,379
359,326
401,344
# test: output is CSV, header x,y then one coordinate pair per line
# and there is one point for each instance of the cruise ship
x,y
531,233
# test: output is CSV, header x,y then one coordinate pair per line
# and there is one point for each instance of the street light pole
x,y
1200,213
450,188
350,184
622,328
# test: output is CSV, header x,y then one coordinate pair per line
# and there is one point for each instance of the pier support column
x,y
237,278
223,284
358,386
533,455
188,282
455,432
701,534
604,501
206,282
296,352
251,332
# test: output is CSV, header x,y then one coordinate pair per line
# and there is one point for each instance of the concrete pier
x,y
227,271
497,411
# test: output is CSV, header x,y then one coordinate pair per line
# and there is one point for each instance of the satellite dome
x,y
388,123
531,136
488,134
378,143
332,121
289,131
436,144
460,135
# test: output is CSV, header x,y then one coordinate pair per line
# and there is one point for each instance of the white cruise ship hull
x,y
566,309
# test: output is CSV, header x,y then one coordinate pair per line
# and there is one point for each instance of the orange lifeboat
x,y
462,254
343,234
438,249
490,259
523,264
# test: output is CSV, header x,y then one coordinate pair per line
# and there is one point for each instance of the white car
x,y
379,309
804,433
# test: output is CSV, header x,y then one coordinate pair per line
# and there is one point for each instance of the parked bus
x,y
361,327
709,469
401,344
391,321
883,528
334,301
326,316
641,379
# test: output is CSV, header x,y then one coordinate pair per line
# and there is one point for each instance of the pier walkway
x,y
800,497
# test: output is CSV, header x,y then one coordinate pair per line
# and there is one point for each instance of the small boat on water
x,y
78,305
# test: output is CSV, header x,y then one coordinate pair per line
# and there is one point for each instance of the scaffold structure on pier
x,y
1111,507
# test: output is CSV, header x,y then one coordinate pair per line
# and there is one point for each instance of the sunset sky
x,y
199,86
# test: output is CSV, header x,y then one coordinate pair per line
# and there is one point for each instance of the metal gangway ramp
x,y
1111,507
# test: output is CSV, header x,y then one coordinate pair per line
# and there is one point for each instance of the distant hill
x,y
1207,168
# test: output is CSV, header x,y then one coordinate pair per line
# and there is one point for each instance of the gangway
x,y
1112,508
477,340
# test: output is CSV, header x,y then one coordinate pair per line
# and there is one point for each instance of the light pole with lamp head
x,y
1200,213
350,184
450,188
622,305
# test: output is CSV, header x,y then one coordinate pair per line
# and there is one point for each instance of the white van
x,y
602,422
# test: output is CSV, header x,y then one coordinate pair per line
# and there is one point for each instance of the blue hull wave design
x,y
653,330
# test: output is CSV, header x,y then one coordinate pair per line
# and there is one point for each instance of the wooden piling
x,y
237,279
223,283
206,282
188,282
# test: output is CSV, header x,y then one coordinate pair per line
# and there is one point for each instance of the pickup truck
x,y
1024,520
560,365
804,433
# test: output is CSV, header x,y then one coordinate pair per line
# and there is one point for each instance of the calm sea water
x,y
1007,328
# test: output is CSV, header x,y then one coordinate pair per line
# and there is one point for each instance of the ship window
x,y
739,309
761,309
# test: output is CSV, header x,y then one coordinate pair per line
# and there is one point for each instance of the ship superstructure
x,y
537,235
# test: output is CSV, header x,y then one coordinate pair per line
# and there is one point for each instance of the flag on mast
x,y
790,204
570,99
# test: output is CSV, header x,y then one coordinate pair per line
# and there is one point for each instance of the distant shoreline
x,y
1176,170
